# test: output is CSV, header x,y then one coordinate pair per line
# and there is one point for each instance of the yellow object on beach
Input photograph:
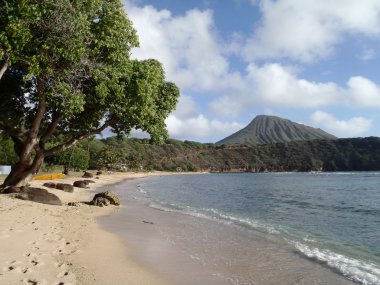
x,y
49,176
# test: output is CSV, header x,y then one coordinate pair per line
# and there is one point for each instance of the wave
x,y
356,270
141,189
214,214
365,273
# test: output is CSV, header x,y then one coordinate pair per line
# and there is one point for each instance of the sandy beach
x,y
138,244
46,244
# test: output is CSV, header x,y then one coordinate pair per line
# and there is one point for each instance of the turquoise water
x,y
330,218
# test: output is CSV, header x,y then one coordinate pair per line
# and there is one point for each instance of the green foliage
x,y
316,155
269,129
76,158
7,153
111,158
70,76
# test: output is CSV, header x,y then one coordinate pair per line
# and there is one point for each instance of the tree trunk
x,y
21,174
4,68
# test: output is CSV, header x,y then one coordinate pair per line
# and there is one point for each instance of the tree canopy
x,y
66,74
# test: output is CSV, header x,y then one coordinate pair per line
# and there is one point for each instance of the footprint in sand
x,y
30,281
11,265
15,268
63,274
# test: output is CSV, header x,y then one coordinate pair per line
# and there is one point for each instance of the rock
x,y
11,190
99,172
49,185
111,197
65,187
100,201
81,184
87,175
38,195
97,177
89,181
74,204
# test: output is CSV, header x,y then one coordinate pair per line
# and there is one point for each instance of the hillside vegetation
x,y
267,129
356,154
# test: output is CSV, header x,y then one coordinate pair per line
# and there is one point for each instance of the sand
x,y
45,244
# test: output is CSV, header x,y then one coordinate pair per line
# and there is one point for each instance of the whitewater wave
x,y
365,273
356,270
216,215
141,189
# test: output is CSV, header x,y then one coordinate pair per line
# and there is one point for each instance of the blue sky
x,y
313,62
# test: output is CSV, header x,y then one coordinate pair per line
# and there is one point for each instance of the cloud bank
x,y
216,96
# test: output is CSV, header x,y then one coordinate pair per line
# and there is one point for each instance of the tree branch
x,y
6,126
40,111
4,68
51,128
76,139
32,139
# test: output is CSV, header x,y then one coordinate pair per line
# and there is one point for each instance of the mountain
x,y
268,129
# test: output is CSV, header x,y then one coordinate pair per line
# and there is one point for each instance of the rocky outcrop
x,y
49,184
100,202
87,175
60,186
81,184
65,187
38,195
11,190
104,199
74,204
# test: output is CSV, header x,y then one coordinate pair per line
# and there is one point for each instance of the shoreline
x,y
46,244
133,243
188,249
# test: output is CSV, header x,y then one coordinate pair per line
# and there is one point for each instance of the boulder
x,y
99,172
11,190
110,196
65,187
81,184
49,185
100,202
38,195
88,181
87,175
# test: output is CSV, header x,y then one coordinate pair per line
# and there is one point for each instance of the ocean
x,y
232,223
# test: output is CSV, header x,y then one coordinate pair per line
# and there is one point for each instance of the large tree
x,y
66,74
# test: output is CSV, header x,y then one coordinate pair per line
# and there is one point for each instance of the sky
x,y
312,62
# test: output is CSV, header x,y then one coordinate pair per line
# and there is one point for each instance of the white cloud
x,y
200,127
363,93
280,85
349,128
275,86
187,45
307,30
186,107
